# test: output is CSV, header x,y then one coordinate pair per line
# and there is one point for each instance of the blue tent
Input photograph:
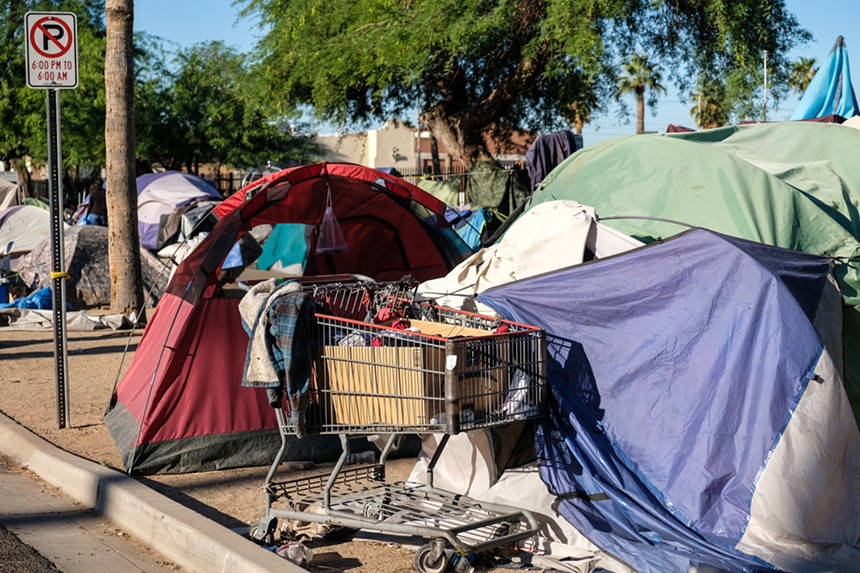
x,y
698,414
830,92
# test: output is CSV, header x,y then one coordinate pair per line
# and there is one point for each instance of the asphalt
x,y
181,535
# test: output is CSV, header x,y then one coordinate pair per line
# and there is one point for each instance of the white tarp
x,y
553,235
8,193
22,228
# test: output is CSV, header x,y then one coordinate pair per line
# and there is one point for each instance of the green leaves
x,y
480,64
207,108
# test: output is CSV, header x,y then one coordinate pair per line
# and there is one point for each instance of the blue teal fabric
x,y
286,244
669,394
830,92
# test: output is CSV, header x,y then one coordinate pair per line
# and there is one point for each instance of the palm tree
x,y
123,239
802,72
580,114
640,75
711,109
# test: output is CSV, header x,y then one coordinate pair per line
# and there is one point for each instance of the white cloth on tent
x,y
467,465
852,122
524,488
253,308
550,236
23,228
8,193
820,449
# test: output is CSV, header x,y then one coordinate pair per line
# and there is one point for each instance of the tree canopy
x,y
199,105
476,67
206,110
710,109
22,109
802,72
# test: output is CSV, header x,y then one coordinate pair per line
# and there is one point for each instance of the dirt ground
x,y
233,498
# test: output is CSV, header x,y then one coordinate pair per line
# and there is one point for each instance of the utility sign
x,y
52,49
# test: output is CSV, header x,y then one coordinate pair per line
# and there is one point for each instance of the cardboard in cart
x,y
403,386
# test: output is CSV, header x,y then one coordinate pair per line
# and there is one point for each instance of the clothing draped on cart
x,y
278,317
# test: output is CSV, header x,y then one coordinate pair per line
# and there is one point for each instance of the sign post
x,y
52,64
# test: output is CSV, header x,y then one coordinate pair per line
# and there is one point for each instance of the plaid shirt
x,y
289,343
290,326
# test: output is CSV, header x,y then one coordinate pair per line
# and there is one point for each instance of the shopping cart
x,y
385,364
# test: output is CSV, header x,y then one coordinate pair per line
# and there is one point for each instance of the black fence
x,y
75,189
227,184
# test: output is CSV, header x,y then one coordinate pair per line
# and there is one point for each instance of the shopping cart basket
x,y
387,365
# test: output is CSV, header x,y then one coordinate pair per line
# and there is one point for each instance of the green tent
x,y
792,185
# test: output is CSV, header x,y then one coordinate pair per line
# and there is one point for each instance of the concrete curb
x,y
179,534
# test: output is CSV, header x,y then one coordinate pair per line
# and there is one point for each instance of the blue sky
x,y
188,22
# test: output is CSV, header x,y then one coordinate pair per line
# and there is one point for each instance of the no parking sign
x,y
52,49
52,63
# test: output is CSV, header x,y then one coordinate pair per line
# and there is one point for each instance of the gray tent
x,y
86,257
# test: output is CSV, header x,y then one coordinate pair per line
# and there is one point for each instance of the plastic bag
x,y
331,237
296,552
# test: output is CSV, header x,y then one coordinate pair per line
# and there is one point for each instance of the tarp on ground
x,y
788,184
35,319
697,412
830,91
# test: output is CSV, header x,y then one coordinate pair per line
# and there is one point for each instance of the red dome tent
x,y
180,406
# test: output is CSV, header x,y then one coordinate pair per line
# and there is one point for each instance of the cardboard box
x,y
379,385
402,384
446,330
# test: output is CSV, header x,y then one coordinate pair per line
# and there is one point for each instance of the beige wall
x,y
393,145
349,148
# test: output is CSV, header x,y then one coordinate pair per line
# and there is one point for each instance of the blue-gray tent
x,y
830,92
698,413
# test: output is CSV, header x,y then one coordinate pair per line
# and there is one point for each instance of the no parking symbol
x,y
52,50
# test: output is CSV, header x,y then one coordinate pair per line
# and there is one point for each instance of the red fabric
x,y
678,128
386,240
296,175
197,389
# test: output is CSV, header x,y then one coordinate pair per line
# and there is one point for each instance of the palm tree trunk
x,y
123,238
640,111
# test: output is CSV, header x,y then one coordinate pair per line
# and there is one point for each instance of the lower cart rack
x,y
358,497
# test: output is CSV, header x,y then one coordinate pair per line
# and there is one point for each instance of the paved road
x,y
41,531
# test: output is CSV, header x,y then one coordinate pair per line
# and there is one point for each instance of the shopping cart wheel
x,y
425,563
373,510
376,509
264,533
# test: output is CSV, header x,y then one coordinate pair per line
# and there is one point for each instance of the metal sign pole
x,y
52,62
58,263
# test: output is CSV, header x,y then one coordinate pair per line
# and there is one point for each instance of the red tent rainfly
x,y
180,406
